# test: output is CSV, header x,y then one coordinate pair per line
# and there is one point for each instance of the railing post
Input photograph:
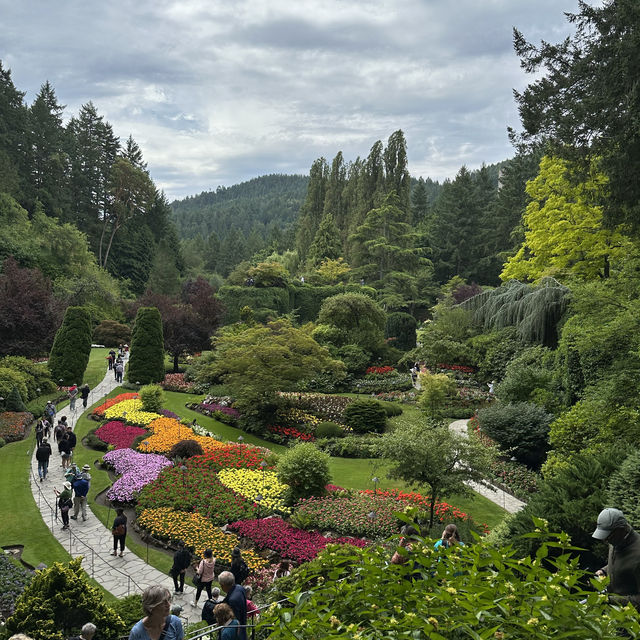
x,y
70,542
92,560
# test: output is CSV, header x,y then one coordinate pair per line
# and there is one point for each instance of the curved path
x,y
501,498
91,539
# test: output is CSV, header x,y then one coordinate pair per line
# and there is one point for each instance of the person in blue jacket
x,y
450,538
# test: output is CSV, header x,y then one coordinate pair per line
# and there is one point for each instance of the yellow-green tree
x,y
564,235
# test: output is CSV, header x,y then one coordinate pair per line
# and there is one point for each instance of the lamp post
x,y
240,439
258,500
183,468
373,516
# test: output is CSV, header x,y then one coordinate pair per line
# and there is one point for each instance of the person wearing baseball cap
x,y
623,567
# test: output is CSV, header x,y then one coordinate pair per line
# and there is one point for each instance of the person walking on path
x,y
158,622
64,447
239,567
39,433
73,441
50,411
236,598
119,531
80,488
110,361
43,454
84,394
119,370
181,562
64,503
73,396
206,573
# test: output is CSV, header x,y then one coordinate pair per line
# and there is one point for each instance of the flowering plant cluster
x,y
357,514
210,407
196,491
397,396
514,478
251,483
235,456
120,435
176,382
290,433
169,414
197,532
456,367
136,470
380,371
132,411
300,419
168,431
13,580
99,411
326,406
377,384
289,542
13,425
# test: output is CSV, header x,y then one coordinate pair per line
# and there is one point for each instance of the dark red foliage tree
x,y
29,314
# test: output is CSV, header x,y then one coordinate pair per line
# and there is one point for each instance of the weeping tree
x,y
535,310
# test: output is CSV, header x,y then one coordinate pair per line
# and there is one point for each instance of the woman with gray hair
x,y
158,623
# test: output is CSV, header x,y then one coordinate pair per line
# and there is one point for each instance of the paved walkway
x,y
91,539
500,497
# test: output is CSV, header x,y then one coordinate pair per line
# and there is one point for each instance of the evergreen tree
x,y
311,210
396,171
419,202
326,244
133,154
232,252
336,182
132,256
14,401
164,277
146,363
71,347
212,251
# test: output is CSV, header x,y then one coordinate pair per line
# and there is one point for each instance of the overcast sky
x,y
216,92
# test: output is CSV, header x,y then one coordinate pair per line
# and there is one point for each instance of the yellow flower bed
x,y
250,483
133,409
301,417
196,531
167,431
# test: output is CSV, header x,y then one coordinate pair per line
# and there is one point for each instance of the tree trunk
x,y
106,255
175,362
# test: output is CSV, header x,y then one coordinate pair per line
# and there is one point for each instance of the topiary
x,y
71,347
146,363
364,416
152,397
329,430
14,401
185,449
305,469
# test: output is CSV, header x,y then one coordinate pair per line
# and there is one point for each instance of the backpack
x,y
243,571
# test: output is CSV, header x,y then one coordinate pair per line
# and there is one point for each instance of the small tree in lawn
x,y
146,363
436,390
305,469
433,456
58,601
71,347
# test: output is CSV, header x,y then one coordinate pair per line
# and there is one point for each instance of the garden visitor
x,y
119,370
73,440
158,621
110,361
84,394
87,632
64,448
80,488
205,573
405,542
50,411
225,618
236,599
119,531
623,566
43,453
239,567
282,570
450,537
73,396
207,610
85,472
492,387
64,503
252,609
46,425
181,562
39,432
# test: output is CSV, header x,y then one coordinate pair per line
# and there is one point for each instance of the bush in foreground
x,y
305,469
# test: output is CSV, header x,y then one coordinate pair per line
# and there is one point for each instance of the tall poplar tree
x,y
396,170
13,126
312,208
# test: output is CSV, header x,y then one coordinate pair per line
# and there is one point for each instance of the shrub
x,y
329,430
364,416
152,398
436,390
354,357
350,446
391,409
305,469
92,441
36,376
14,401
111,333
71,347
623,492
401,329
2,442
146,363
129,609
11,379
520,429
185,449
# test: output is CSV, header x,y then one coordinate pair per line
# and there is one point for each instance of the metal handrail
x,y
78,541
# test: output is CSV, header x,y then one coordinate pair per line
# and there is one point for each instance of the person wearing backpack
x,y
239,567
119,531
65,503
43,453
84,394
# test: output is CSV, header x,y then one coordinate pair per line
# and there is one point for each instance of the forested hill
x,y
274,198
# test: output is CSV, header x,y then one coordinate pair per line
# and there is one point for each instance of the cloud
x,y
219,92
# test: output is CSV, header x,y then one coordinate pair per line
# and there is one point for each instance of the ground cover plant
x,y
13,579
13,425
290,542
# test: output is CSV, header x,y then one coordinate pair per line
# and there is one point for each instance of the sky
x,y
218,92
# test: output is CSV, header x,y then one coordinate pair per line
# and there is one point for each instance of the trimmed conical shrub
x,y
14,401
146,363
71,347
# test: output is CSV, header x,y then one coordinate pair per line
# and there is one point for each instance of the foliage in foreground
x,y
474,591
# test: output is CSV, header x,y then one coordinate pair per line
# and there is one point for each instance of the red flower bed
x,y
291,432
175,382
456,367
13,425
235,456
380,371
118,434
289,542
99,411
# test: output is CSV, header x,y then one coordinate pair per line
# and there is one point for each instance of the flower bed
x,y
196,490
168,431
326,406
379,384
13,425
235,456
135,469
290,542
197,532
132,411
380,371
299,419
13,580
99,411
176,382
455,367
514,478
251,483
397,396
120,435
290,433
209,408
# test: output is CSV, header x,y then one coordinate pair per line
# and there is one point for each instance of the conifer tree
x,y
333,201
164,277
419,202
396,171
312,208
146,363
71,347
326,244
14,401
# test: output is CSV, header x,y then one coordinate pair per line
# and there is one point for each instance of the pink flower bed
x,y
176,382
119,434
289,542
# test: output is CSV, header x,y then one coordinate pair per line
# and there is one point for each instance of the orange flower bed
x,y
168,431
99,411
